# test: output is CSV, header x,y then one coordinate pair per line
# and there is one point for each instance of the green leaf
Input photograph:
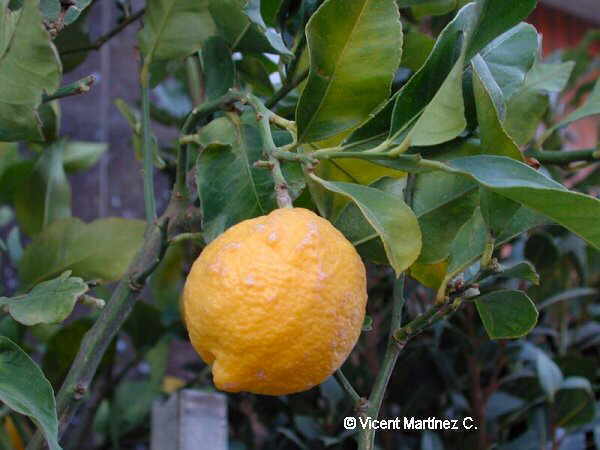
x,y
253,72
497,211
355,49
528,104
270,10
174,29
490,111
230,188
48,302
495,18
511,56
392,219
416,49
506,314
468,245
81,155
577,212
443,203
522,271
254,13
431,103
44,196
74,10
102,250
242,33
590,108
219,71
574,404
24,389
29,67
357,229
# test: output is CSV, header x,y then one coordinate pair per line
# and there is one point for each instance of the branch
x,y
366,440
75,88
96,45
566,157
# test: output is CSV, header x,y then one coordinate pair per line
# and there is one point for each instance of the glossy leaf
x,y
490,113
497,211
431,103
44,196
219,71
468,245
254,13
51,301
29,67
549,374
357,229
511,56
522,271
80,155
575,403
355,49
24,389
390,217
529,103
100,250
507,314
230,188
495,18
270,10
74,10
242,33
577,212
174,29
443,203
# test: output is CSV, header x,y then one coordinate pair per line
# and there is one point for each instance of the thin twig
x,y
98,43
341,378
566,157
147,151
78,87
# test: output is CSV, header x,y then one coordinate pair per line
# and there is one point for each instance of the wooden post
x,y
190,420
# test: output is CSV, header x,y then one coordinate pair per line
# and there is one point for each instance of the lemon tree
x,y
345,176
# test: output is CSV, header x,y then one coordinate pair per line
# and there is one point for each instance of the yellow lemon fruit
x,y
276,303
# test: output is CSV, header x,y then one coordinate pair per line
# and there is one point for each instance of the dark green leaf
x,y
443,203
507,314
254,13
219,71
231,189
240,32
24,389
392,219
355,49
51,301
577,212
174,29
511,56
29,67
522,271
45,196
80,155
528,104
101,250
144,326
431,103
490,113
574,403
497,211
74,10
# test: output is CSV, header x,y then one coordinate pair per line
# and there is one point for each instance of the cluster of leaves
x,y
417,148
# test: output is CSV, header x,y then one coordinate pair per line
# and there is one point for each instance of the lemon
x,y
276,303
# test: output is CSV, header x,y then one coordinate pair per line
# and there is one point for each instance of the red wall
x,y
562,30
